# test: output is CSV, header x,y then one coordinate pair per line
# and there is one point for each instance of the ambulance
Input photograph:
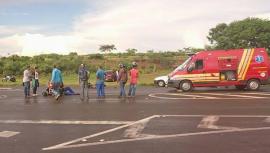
x,y
242,68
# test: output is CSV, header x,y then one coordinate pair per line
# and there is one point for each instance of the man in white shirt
x,y
26,81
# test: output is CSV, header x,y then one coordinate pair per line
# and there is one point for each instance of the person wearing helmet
x,y
122,80
134,75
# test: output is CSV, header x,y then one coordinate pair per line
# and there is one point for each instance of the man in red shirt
x,y
134,74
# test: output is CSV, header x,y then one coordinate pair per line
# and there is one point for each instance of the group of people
x,y
122,78
30,77
56,81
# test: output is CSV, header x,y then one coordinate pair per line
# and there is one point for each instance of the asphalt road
x,y
157,120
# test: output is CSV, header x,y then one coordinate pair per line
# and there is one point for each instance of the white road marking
x,y
189,95
7,134
257,93
198,96
230,116
64,122
267,120
232,95
161,137
134,131
10,89
5,88
168,94
62,145
152,137
209,122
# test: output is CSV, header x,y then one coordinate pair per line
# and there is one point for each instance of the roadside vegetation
x,y
150,65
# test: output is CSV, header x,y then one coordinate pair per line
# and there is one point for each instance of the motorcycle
x,y
9,78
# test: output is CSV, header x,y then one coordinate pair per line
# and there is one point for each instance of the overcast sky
x,y
31,27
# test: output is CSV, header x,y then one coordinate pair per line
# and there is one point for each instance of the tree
x,y
189,50
73,54
150,52
107,48
247,33
131,51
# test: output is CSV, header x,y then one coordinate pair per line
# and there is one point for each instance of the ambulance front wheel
x,y
186,86
253,84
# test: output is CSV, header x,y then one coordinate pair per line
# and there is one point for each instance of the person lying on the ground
x,y
68,91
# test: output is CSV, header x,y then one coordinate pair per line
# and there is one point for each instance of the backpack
x,y
83,75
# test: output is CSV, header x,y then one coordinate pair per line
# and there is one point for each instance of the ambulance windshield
x,y
183,65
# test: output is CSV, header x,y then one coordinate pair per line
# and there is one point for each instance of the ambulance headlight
x,y
262,74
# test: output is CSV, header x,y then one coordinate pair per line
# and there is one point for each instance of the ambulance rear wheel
x,y
253,84
186,86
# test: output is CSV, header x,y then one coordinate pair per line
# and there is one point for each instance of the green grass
x,y
72,80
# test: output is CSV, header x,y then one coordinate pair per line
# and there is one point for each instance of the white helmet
x,y
134,64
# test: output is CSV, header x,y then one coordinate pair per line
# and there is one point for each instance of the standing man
x,y
56,81
100,82
35,81
134,75
122,80
26,82
83,81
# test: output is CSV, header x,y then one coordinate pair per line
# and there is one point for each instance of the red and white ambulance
x,y
242,68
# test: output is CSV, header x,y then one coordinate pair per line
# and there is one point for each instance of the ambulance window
x,y
183,66
199,64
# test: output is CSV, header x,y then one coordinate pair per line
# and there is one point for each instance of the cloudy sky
x,y
31,27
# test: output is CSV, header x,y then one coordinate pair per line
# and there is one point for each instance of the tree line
x,y
148,62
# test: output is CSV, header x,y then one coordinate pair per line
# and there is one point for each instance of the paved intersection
x,y
157,120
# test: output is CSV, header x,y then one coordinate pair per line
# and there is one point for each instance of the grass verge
x,y
72,80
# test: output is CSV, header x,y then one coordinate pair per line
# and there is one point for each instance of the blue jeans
x,y
56,89
68,91
100,89
132,89
122,88
26,86
36,85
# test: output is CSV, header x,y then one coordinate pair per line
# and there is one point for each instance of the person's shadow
x,y
27,101
35,100
132,100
